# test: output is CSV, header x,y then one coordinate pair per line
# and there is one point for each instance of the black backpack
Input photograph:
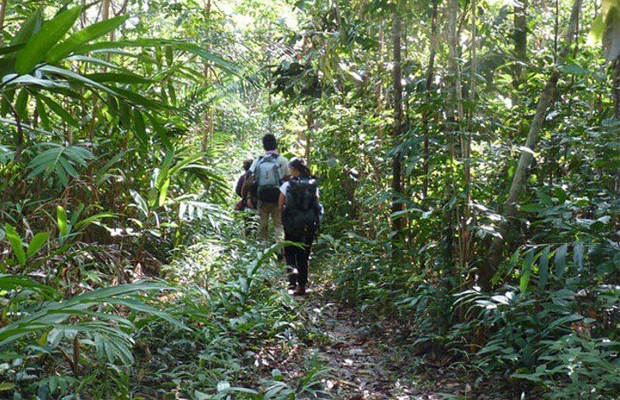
x,y
302,211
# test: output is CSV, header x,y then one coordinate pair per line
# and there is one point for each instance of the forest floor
x,y
364,357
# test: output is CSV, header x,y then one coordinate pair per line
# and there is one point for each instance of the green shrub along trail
x,y
467,155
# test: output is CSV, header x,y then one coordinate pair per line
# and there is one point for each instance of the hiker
x,y
267,174
301,213
247,204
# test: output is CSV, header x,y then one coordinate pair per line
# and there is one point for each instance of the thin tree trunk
x,y
380,66
3,6
398,125
465,239
521,173
454,116
308,133
615,70
430,73
209,115
105,10
520,39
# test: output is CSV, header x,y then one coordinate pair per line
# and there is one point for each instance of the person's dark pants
x,y
297,260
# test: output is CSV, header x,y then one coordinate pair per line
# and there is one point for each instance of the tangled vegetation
x,y
468,155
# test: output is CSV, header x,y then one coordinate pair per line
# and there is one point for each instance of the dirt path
x,y
369,359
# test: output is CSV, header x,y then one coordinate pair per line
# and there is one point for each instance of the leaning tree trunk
x,y
397,129
520,176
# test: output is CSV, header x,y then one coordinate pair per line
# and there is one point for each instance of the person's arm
x,y
281,201
282,198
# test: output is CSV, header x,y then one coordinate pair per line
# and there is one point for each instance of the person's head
x,y
247,164
269,142
298,167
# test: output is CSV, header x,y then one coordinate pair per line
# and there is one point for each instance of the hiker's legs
x,y
303,257
277,223
290,255
263,220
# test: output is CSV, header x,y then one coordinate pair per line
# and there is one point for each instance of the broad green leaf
x,y
77,77
61,219
40,44
138,99
84,36
100,176
16,244
560,261
11,282
93,218
21,104
6,386
175,44
45,121
10,49
544,199
104,77
163,192
139,306
37,242
533,207
543,268
28,28
60,111
578,253
161,132
93,60
140,128
69,169
527,271
61,174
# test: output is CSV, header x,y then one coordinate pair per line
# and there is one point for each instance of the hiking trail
x,y
365,358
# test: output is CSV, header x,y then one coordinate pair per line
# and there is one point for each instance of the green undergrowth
x,y
200,331
554,338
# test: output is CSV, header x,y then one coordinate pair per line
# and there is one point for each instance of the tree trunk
x,y
520,39
465,239
615,90
210,112
380,67
430,73
308,133
105,10
520,176
3,6
397,130
454,117
615,68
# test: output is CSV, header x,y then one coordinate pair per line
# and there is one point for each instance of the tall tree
x,y
397,77
520,39
521,173
430,74
210,112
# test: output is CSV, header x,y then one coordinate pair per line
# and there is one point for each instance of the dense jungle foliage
x,y
468,154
